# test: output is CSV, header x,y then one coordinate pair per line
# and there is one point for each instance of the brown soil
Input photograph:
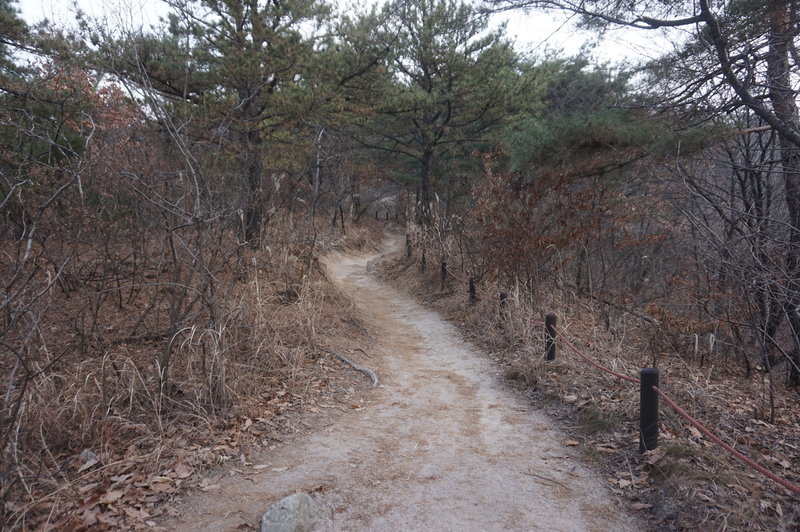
x,y
439,445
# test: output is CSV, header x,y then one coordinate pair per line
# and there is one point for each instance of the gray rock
x,y
295,513
87,455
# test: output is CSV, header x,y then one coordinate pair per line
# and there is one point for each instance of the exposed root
x,y
366,371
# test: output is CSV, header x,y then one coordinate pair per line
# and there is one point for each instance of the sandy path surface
x,y
441,445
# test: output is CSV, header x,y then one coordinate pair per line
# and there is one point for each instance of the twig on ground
x,y
544,478
366,371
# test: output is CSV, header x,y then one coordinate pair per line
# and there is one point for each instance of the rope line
x,y
795,489
592,362
449,271
522,316
736,454
744,459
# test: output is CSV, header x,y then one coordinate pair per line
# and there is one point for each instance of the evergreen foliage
x,y
446,79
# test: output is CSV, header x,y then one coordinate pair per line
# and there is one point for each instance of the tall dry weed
x,y
111,406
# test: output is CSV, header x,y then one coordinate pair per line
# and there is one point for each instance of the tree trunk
x,y
784,106
253,210
312,212
425,187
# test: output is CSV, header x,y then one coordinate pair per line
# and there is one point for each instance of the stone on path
x,y
295,513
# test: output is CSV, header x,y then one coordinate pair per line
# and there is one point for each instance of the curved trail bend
x,y
441,446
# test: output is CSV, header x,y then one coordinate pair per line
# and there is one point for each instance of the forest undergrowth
x,y
688,482
114,427
161,191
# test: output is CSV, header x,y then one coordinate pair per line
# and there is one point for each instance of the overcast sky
x,y
532,32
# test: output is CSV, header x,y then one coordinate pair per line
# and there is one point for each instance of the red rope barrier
x,y
738,455
586,358
758,467
448,270
595,364
523,316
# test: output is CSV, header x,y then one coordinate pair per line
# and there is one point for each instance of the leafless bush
x,y
129,305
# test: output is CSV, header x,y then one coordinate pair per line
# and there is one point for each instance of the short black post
x,y
376,215
387,214
648,410
503,302
444,273
550,336
395,215
472,296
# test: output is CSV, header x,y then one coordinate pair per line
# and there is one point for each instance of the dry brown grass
x,y
695,485
105,438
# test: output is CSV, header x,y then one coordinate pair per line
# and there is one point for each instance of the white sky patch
x,y
126,13
535,32
538,32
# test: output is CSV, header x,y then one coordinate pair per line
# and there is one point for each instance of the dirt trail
x,y
441,445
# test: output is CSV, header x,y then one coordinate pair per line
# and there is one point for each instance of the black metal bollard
x,y
648,410
472,296
387,214
444,273
376,215
550,336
